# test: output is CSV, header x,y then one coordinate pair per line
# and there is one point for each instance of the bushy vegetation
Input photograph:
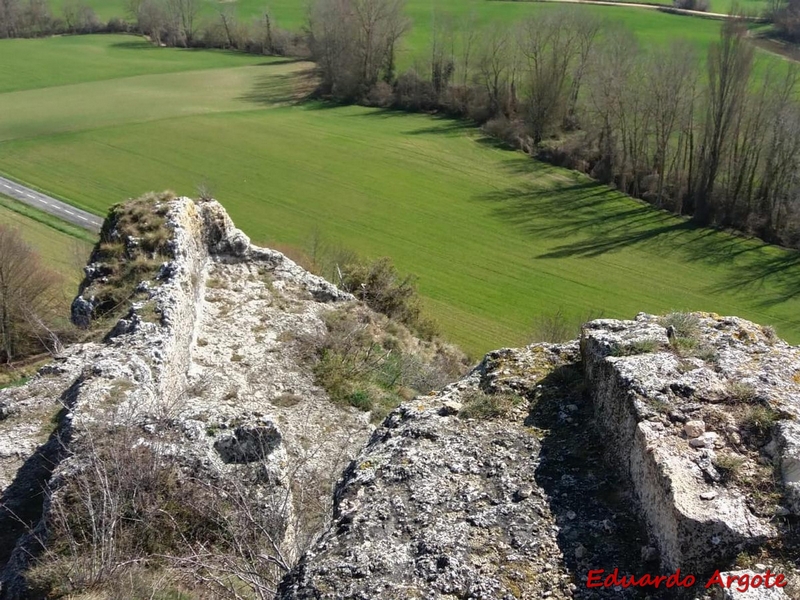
x,y
174,23
35,18
129,523
383,289
719,145
377,283
374,363
30,295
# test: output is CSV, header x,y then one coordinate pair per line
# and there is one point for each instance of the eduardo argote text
x,y
599,578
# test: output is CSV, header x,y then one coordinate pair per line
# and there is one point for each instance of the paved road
x,y
662,7
60,209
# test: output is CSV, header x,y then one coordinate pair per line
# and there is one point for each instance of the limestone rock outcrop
x,y
192,381
438,505
688,417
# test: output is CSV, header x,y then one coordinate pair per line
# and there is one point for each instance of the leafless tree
x,y
608,87
671,84
494,63
184,13
548,46
729,67
587,28
79,17
10,14
27,293
354,42
227,16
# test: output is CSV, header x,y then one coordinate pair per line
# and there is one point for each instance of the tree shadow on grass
x,y
443,124
272,89
603,222
554,203
138,43
780,273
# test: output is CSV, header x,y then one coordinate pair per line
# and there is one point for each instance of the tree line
x,y
785,15
172,23
711,137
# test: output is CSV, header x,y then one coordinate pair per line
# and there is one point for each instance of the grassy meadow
x,y
495,238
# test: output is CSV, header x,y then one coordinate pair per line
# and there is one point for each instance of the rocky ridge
x,y
197,375
646,446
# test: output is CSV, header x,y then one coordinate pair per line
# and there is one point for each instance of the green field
x,y
64,60
495,237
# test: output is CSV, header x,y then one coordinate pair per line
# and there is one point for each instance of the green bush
x,y
359,364
360,399
384,290
760,420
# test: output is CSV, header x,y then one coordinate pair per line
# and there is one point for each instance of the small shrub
x,y
759,420
126,504
480,405
352,362
557,328
634,348
770,333
684,346
361,399
740,392
684,325
380,286
381,94
552,328
659,405
287,400
729,465
706,353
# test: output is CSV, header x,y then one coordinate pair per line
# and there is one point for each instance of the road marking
x,y
56,206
